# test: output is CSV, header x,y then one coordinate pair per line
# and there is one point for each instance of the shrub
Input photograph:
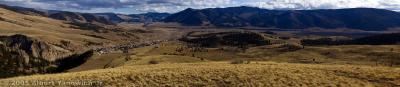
x,y
65,43
284,38
153,62
270,32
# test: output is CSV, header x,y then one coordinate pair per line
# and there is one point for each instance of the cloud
x,y
90,4
327,4
140,6
109,5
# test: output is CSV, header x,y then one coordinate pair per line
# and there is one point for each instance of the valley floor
x,y
226,74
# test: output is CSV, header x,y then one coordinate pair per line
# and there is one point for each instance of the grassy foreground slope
x,y
224,74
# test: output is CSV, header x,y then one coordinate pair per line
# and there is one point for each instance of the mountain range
x,y
369,19
103,18
138,18
354,18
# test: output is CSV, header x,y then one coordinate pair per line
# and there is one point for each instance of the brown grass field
x,y
344,54
225,74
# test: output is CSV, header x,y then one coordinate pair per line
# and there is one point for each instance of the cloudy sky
x,y
171,6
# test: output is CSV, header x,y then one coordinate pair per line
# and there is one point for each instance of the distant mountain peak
x,y
354,18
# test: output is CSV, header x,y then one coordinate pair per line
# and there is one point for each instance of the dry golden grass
x,y
345,54
138,56
224,74
170,48
98,62
161,59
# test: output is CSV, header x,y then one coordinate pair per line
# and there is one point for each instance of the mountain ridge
x,y
104,18
353,18
135,18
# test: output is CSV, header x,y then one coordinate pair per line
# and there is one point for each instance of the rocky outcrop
x,y
22,55
34,47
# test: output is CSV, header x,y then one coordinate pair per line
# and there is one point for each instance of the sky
x,y
172,6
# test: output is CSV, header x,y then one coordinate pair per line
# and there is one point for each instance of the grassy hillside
x,y
56,31
225,74
45,29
